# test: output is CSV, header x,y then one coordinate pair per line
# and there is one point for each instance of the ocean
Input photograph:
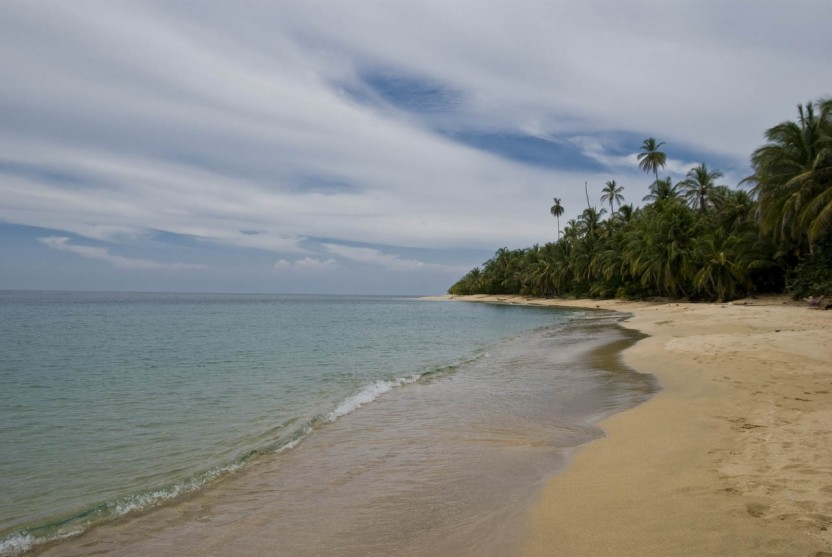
x,y
350,425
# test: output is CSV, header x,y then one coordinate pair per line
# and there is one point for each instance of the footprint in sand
x,y
757,509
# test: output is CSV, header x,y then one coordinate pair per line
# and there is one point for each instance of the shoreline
x,y
415,470
731,457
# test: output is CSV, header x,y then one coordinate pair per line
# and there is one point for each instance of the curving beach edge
x,y
732,457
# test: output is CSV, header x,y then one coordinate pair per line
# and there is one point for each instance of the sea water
x,y
374,409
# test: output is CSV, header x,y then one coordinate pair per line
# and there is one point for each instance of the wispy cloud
x,y
62,243
310,264
372,256
276,126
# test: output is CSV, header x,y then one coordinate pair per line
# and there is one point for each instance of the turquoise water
x,y
110,403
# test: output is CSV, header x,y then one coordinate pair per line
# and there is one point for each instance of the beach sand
x,y
732,457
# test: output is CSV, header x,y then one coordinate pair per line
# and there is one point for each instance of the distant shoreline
x,y
732,457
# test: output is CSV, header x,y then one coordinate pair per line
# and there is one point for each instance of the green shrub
x,y
812,276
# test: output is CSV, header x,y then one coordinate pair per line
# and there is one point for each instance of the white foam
x,y
16,544
296,441
145,500
369,394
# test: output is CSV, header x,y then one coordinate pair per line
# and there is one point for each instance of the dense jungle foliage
x,y
695,238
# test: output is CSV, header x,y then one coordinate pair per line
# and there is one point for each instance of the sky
x,y
362,147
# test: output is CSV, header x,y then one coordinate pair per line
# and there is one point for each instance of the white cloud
x,y
246,136
389,261
61,243
310,264
697,71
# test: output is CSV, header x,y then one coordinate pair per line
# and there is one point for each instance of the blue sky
x,y
365,146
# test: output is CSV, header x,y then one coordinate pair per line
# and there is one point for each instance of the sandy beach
x,y
732,457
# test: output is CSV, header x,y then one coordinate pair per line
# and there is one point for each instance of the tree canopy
x,y
697,238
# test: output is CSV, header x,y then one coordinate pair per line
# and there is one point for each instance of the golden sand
x,y
732,458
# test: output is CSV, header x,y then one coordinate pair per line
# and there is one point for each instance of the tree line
x,y
695,238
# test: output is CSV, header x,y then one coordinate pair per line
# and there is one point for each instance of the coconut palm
x,y
699,187
562,261
650,158
557,211
735,209
471,283
536,273
571,231
719,274
612,193
625,213
658,250
502,269
695,238
590,220
662,190
726,262
793,177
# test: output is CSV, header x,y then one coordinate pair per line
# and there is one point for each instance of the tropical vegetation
x,y
696,238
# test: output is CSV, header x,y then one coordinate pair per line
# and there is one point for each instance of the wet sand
x,y
732,458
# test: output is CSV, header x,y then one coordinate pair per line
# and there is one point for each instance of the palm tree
x,y
502,269
719,274
662,190
658,250
622,217
561,263
651,159
625,213
699,186
536,272
727,261
471,283
590,219
612,193
557,211
793,177
735,208
571,231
